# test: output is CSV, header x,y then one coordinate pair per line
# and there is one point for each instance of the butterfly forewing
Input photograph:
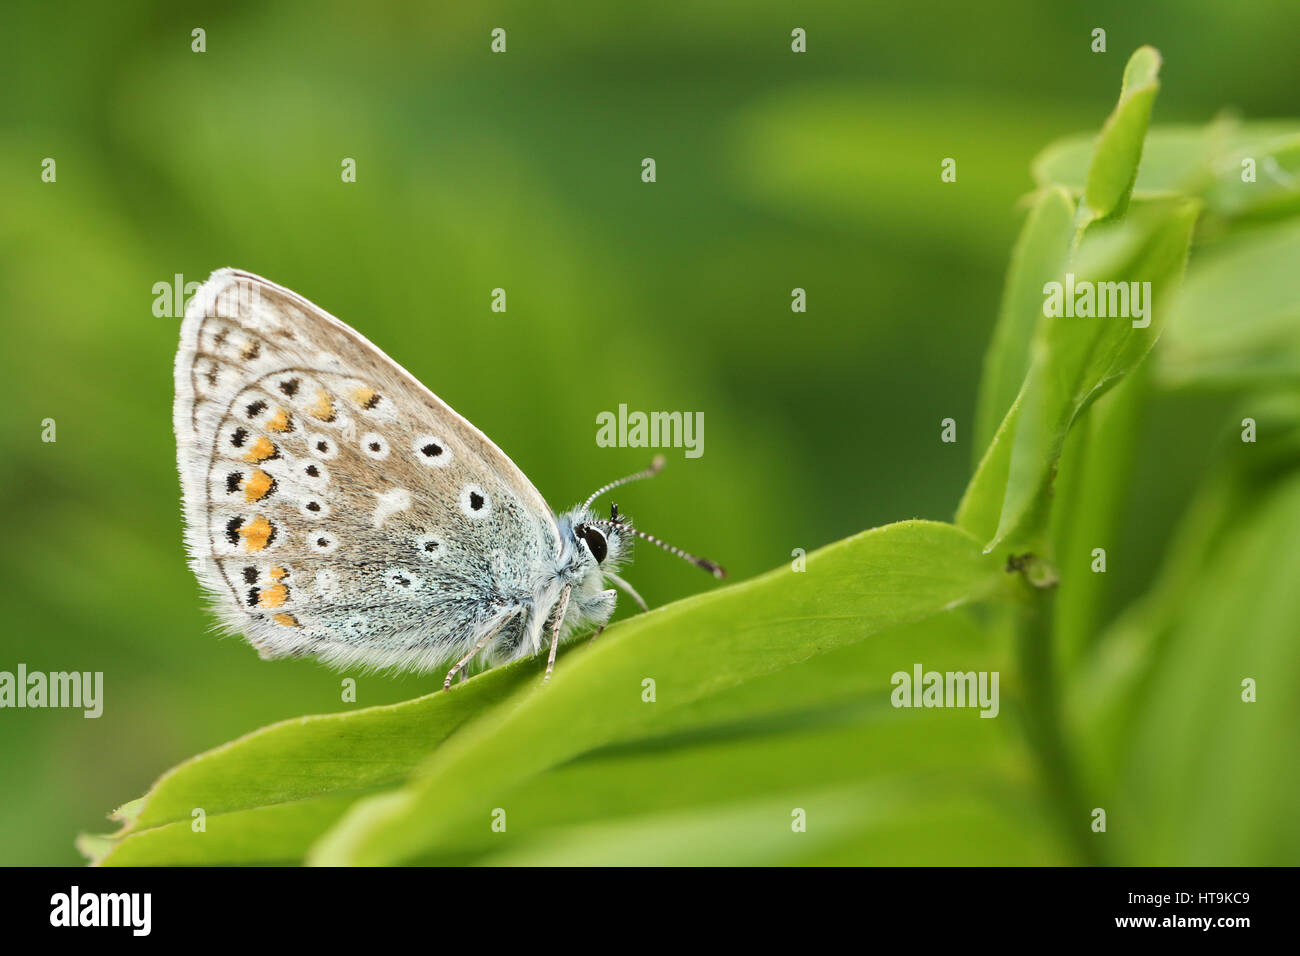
x,y
335,506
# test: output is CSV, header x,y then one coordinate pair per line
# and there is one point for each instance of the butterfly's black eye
x,y
595,541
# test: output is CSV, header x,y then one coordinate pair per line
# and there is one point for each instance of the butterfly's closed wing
x,y
334,506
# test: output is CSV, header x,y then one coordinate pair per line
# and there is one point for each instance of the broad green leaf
x,y
883,824
1074,360
1208,161
306,758
1223,790
1031,423
826,722
1077,359
268,796
1114,166
1108,695
1175,160
1039,256
697,648
1093,478
275,834
1236,321
1258,178
746,834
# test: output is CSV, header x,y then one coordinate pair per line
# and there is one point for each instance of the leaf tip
x,y
1142,69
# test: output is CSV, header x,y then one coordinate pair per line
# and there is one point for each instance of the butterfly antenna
x,y
656,466
717,570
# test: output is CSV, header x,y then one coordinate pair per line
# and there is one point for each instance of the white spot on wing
x,y
314,508
388,504
428,546
321,446
474,502
322,542
374,445
433,451
402,581
327,584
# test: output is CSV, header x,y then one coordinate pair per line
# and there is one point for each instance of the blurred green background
x,y
522,171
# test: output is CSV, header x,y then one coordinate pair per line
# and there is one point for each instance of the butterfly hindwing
x,y
334,506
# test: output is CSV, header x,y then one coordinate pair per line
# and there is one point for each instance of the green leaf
x,y
1005,498
1175,159
1274,191
277,834
692,650
1108,696
725,656
1119,147
1077,359
1205,161
1039,256
1093,479
290,765
1236,321
885,824
785,739
1223,789
980,507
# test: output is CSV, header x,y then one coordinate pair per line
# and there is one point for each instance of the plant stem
x,y
1043,725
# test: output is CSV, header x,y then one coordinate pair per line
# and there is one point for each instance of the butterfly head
x,y
607,542
596,542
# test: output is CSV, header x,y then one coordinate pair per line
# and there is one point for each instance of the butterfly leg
x,y
629,589
612,595
482,642
555,633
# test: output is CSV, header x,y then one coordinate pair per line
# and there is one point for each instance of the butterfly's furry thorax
x,y
591,554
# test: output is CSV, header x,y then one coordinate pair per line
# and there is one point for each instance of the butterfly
x,y
336,508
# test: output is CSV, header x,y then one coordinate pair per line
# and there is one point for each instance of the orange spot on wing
x,y
324,407
261,450
278,573
280,421
257,533
273,596
366,397
288,620
258,485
